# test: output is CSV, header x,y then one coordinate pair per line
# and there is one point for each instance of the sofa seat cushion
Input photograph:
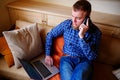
x,y
12,73
56,77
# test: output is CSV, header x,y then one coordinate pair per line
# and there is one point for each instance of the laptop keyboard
x,y
42,69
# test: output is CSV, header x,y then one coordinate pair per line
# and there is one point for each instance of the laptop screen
x,y
30,70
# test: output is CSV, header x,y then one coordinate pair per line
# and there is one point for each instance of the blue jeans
x,y
73,68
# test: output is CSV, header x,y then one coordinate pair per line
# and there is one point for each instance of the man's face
x,y
78,17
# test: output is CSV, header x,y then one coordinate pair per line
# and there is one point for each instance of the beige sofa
x,y
13,73
103,66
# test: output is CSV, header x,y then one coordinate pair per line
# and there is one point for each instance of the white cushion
x,y
24,43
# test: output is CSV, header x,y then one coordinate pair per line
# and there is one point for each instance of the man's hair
x,y
82,5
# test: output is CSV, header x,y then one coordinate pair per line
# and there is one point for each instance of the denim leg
x,y
66,68
83,71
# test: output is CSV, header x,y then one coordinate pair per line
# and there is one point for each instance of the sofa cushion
x,y
12,73
43,29
114,55
57,50
24,43
5,51
110,43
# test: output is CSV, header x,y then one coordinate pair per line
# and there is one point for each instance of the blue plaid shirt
x,y
73,44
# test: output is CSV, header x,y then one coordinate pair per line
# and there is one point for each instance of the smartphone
x,y
85,20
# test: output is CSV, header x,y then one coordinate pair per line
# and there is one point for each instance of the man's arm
x,y
57,31
90,49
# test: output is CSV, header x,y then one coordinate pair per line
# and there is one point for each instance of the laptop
x,y
38,70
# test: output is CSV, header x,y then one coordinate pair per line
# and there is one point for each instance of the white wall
x,y
68,3
4,16
105,6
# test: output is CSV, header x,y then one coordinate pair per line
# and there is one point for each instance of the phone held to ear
x,y
82,28
85,20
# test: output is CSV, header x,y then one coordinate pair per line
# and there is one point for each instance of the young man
x,y
81,43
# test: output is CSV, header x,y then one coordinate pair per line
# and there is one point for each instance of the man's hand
x,y
83,28
49,60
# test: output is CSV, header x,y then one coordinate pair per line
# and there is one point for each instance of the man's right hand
x,y
49,60
83,29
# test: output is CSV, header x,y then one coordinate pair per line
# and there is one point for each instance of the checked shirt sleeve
x,y
57,31
90,49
